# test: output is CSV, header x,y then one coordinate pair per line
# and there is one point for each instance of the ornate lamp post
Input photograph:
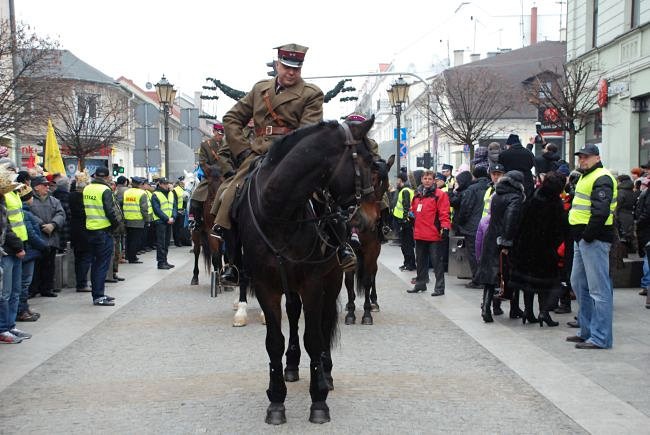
x,y
166,95
397,95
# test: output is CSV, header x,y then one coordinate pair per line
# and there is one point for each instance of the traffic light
x,y
117,169
426,160
273,72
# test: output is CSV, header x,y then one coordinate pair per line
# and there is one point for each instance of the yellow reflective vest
x,y
580,212
398,211
94,207
486,200
179,195
15,215
149,207
166,204
131,204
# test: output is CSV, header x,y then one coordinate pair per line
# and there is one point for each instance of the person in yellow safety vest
x,y
179,218
450,180
164,210
592,223
14,251
496,172
135,206
404,222
101,220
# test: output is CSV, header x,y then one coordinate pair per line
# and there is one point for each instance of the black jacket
x,y
518,158
546,162
505,213
468,215
642,217
601,199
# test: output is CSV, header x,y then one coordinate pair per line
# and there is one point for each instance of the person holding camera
x,y
430,212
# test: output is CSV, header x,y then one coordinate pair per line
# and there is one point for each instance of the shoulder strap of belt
x,y
267,102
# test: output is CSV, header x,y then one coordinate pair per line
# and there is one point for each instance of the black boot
x,y
544,316
196,212
496,307
486,312
528,316
515,311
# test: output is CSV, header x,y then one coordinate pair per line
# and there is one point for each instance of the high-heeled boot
x,y
544,315
486,312
515,311
528,316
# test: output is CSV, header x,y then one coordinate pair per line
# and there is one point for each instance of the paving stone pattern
x,y
170,362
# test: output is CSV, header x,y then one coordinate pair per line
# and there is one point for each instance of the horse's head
x,y
351,180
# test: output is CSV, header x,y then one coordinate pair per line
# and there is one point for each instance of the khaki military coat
x,y
297,106
212,153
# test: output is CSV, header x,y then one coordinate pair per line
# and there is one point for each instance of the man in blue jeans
x,y
591,218
101,220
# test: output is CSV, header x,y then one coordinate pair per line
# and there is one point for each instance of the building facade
x,y
613,37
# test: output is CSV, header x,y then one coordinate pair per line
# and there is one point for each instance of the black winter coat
x,y
624,213
468,215
505,214
64,197
642,216
518,158
534,258
78,235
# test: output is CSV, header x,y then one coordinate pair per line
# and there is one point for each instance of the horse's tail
x,y
333,318
207,253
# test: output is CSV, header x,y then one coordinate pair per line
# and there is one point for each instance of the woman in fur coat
x,y
505,212
534,260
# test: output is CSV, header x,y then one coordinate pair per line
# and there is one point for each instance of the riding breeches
x,y
228,197
217,198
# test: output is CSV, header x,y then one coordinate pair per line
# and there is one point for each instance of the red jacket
x,y
431,210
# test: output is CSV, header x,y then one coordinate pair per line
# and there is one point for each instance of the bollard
x,y
458,262
58,272
214,284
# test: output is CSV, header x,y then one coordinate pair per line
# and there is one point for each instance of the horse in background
x,y
202,240
366,220
291,219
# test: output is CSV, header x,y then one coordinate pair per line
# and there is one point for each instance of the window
x,y
87,105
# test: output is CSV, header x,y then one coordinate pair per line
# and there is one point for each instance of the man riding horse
x,y
276,106
213,151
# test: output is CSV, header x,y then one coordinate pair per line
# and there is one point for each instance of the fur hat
x,y
7,183
82,177
25,193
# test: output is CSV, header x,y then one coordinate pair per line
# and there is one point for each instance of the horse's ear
x,y
389,162
361,129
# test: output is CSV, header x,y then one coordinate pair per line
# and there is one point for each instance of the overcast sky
x,y
231,41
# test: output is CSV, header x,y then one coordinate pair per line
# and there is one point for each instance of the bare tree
x,y
466,102
566,98
29,85
87,121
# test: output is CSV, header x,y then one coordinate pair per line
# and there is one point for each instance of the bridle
x,y
324,197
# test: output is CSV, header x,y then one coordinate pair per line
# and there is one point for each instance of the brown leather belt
x,y
271,130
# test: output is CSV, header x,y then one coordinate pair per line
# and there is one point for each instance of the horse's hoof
x,y
329,381
366,320
291,375
195,281
374,307
241,318
350,319
319,413
275,414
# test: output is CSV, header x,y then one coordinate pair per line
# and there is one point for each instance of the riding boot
x,y
486,313
383,229
230,274
196,213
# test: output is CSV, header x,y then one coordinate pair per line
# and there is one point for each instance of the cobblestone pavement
x,y
169,361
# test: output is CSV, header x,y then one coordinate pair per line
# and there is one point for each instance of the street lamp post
x,y
397,95
166,95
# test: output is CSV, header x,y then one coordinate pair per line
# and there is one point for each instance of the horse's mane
x,y
281,147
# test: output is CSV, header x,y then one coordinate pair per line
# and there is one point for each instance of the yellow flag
x,y
53,162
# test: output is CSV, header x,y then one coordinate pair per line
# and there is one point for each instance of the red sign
x,y
602,92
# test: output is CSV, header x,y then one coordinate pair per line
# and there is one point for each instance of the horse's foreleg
x,y
367,308
241,305
330,326
277,391
294,307
195,272
315,346
350,318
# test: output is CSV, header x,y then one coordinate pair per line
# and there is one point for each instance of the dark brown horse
x,y
366,221
291,219
201,236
